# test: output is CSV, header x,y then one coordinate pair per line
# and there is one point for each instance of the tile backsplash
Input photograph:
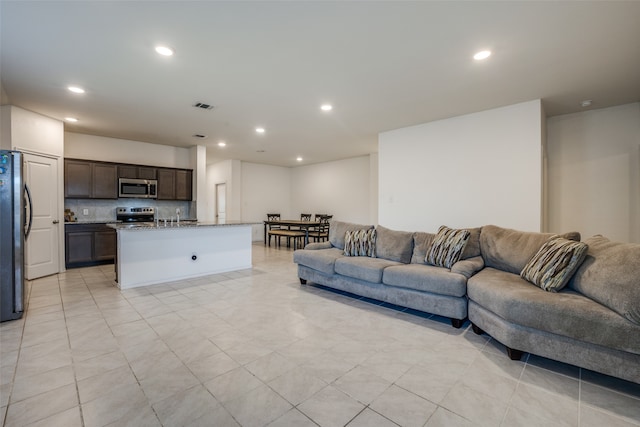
x,y
105,210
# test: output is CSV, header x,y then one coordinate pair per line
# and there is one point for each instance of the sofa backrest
x,y
510,250
394,245
422,241
337,230
610,275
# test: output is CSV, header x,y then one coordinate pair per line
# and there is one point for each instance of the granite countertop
x,y
113,221
182,224
92,221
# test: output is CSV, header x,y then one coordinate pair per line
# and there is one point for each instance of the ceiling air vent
x,y
199,135
203,106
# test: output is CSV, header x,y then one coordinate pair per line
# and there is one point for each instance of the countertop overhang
x,y
175,225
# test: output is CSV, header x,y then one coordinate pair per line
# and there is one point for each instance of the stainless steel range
x,y
125,214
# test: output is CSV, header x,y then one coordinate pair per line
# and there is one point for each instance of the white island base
x,y
153,255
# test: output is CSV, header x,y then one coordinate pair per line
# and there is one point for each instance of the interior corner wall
x,y
339,188
91,147
594,172
373,188
466,171
265,189
217,173
199,162
4,98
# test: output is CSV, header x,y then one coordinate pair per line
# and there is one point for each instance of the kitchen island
x,y
150,253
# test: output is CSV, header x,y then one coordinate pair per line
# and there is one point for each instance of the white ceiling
x,y
383,65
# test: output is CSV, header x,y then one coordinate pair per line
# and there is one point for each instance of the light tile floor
x,y
255,348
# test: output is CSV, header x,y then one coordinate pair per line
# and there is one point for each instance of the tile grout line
x,y
15,369
73,363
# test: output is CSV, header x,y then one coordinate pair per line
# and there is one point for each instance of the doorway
x,y
221,202
42,244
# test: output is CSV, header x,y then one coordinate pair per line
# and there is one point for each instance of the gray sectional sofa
x,y
593,323
397,275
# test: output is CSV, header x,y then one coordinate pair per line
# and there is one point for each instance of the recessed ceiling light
x,y
222,144
260,130
164,50
326,107
76,89
586,103
299,159
71,119
483,54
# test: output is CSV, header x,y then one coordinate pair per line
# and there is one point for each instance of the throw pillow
x,y
447,247
360,243
554,263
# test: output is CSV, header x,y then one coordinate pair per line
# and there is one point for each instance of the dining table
x,y
288,223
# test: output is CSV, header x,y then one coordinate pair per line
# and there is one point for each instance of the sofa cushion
x,y
446,248
337,230
363,268
394,245
510,250
426,278
421,244
610,274
554,263
468,267
322,260
472,248
566,313
360,243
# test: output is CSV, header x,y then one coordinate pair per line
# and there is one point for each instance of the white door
x,y
221,202
41,246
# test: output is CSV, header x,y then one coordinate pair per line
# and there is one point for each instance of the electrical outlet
x,y
85,211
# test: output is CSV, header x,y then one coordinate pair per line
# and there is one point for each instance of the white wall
x,y
25,130
265,189
472,170
227,172
340,188
90,147
594,177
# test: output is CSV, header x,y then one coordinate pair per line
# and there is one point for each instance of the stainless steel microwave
x,y
140,188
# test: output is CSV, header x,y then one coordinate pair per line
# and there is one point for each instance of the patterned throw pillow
x,y
554,263
447,246
360,243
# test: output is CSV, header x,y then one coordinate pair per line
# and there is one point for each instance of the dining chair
x,y
303,217
321,234
273,227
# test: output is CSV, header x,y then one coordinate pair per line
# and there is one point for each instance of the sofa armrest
x,y
468,267
318,245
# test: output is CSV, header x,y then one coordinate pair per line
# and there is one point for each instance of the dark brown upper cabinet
x,y
85,179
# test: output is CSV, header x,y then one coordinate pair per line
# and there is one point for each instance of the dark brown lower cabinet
x,y
89,244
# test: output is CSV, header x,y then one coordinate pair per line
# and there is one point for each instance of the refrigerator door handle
x,y
30,204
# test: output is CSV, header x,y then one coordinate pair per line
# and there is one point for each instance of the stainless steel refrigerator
x,y
15,221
